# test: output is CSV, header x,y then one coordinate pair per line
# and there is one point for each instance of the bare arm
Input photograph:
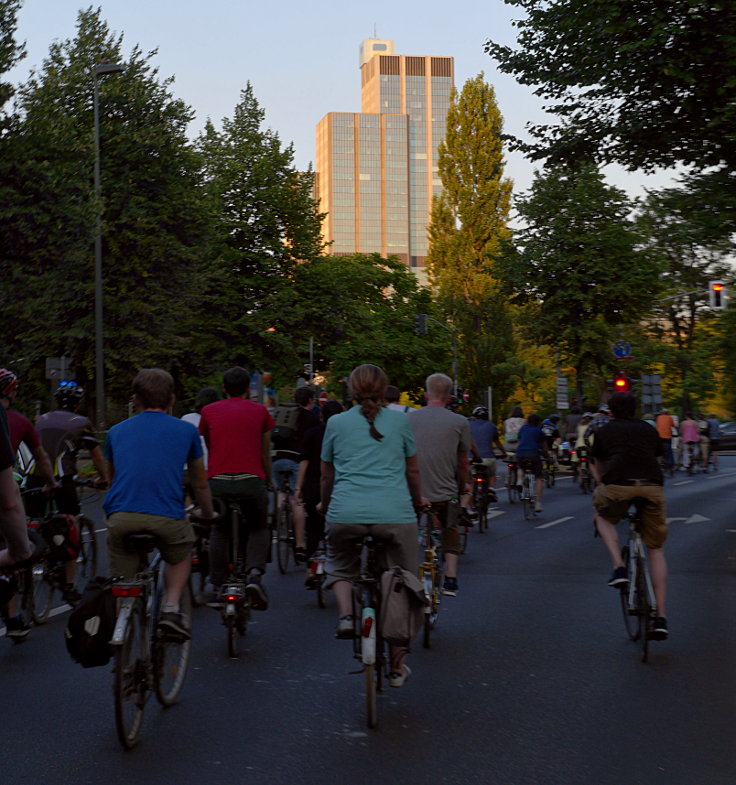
x,y
44,464
12,520
414,481
99,462
198,478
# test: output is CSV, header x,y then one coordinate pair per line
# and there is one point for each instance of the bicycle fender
x,y
126,608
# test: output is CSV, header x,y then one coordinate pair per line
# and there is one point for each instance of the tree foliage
x,y
467,232
577,259
643,83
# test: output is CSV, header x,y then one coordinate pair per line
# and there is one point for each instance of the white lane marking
x,y
718,475
554,523
683,482
494,514
697,519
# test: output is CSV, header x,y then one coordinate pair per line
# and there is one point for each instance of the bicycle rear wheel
x,y
527,500
630,621
200,571
643,608
512,488
283,532
131,680
86,565
170,656
42,581
482,510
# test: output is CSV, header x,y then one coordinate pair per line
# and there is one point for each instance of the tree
x,y
265,224
577,260
643,83
467,231
153,215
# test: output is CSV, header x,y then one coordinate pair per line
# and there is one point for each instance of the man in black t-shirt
x,y
12,517
626,467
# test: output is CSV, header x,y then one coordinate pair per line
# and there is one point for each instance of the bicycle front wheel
x,y
371,706
43,591
131,680
86,564
283,543
171,659
429,617
630,621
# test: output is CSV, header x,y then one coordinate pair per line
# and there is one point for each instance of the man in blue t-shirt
x,y
532,446
146,456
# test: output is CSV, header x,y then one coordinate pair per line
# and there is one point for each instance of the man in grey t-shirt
x,y
443,442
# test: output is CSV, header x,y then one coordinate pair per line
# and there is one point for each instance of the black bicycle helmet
x,y
480,412
8,382
68,395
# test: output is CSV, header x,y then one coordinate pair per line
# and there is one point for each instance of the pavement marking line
x,y
495,513
716,475
683,482
554,523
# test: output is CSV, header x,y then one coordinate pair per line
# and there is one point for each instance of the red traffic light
x,y
717,287
622,383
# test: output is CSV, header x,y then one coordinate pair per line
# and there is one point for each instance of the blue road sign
x,y
622,349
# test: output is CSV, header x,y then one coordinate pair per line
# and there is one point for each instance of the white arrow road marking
x,y
697,519
672,520
494,514
554,523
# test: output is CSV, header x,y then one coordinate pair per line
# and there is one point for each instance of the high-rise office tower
x,y
377,169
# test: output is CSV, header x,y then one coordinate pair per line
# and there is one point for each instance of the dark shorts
x,y
448,514
715,445
531,464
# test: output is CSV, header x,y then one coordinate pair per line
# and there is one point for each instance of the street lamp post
x,y
97,72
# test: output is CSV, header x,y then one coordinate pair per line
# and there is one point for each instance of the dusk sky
x,y
301,57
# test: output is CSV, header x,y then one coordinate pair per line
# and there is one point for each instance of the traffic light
x,y
621,383
421,323
717,295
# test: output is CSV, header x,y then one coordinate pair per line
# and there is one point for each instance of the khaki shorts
x,y
612,502
490,464
175,536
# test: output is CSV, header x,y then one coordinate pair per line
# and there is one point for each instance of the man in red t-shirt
x,y
237,433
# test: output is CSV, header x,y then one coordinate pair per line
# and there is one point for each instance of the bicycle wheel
x,y
630,622
130,684
483,515
371,707
42,581
321,594
200,571
170,656
283,531
643,608
527,500
232,635
86,565
511,486
24,589
426,579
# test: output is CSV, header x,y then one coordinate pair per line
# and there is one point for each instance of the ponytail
x,y
369,408
368,387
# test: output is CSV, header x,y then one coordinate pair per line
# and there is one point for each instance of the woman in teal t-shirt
x,y
370,486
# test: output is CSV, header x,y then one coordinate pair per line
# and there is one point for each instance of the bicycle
x,y
528,489
316,576
368,645
284,534
585,475
480,495
17,580
200,562
49,573
431,572
234,601
146,659
638,605
550,468
512,478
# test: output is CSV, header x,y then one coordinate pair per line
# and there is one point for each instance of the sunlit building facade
x,y
377,169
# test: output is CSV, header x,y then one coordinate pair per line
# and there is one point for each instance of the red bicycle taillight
x,y
232,597
127,591
367,627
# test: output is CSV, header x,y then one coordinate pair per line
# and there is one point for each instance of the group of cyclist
x,y
370,469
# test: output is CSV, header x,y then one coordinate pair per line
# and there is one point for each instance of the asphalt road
x,y
530,680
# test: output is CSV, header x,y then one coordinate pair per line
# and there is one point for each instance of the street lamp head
x,y
107,68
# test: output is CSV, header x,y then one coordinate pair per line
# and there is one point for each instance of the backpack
x,y
91,625
62,536
284,433
403,601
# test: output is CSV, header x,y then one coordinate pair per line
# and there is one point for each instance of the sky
x,y
301,56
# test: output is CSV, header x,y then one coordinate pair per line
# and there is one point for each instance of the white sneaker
x,y
399,679
538,507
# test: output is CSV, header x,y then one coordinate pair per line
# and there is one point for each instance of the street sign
x,y
322,398
466,395
59,368
622,350
561,401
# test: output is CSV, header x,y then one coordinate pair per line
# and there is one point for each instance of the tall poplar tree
x,y
467,233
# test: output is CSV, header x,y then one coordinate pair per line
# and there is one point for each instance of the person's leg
x,y
175,579
254,506
609,534
658,569
539,487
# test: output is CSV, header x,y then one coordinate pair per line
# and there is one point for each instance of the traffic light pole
x,y
454,349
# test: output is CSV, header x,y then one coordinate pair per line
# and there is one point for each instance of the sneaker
x,y
450,587
618,579
658,631
70,594
17,629
345,627
175,624
256,592
396,679
538,507
300,555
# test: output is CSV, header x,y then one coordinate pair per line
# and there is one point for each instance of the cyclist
x,y
392,400
714,432
308,481
12,517
665,425
579,441
530,451
551,430
626,467
63,433
689,438
511,426
704,430
485,435
288,453
571,424
443,442
145,456
370,486
237,432
204,396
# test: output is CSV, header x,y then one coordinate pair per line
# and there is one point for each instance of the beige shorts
x,y
612,502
